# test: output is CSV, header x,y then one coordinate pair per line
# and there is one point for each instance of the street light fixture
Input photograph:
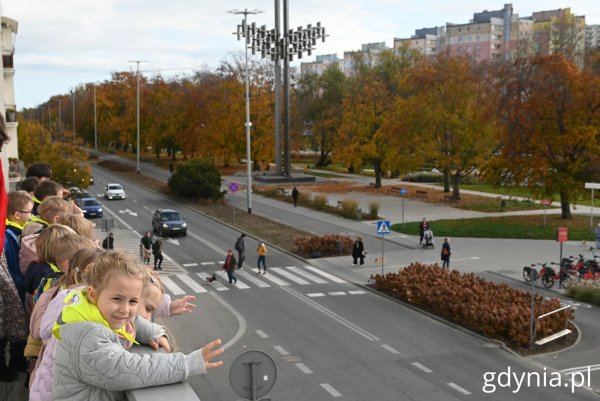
x,y
137,73
95,122
244,31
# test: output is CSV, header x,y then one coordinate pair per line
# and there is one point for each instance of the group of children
x,y
74,309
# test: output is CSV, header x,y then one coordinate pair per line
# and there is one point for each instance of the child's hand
x,y
182,305
162,342
209,352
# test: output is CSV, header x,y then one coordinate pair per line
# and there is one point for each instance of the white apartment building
x,y
321,64
8,106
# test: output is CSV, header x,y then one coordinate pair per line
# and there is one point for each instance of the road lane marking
x,y
390,349
274,279
241,321
333,315
127,226
190,264
215,284
336,293
239,284
281,350
187,280
207,263
262,334
303,368
306,275
458,388
208,243
421,367
316,295
250,277
356,292
331,390
289,276
174,288
325,274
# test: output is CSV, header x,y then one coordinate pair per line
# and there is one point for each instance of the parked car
x,y
90,206
114,191
168,222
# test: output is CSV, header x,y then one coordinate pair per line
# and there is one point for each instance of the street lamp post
x,y
73,96
244,33
137,74
95,123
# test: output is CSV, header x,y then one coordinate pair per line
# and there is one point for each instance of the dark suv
x,y
168,222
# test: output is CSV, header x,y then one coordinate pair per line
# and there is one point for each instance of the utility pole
x,y
95,122
245,32
137,73
73,96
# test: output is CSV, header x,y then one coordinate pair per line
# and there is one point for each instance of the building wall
x,y
592,36
8,105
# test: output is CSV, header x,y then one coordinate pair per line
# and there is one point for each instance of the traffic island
x,y
495,311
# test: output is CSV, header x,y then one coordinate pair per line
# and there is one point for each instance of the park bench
x,y
421,195
282,191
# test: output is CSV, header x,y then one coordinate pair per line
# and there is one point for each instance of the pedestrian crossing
x,y
190,278
129,241
196,283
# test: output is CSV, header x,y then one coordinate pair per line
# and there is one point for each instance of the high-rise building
x,y
429,41
321,64
559,31
8,106
369,54
592,36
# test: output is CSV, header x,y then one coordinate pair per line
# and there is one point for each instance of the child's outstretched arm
x,y
198,361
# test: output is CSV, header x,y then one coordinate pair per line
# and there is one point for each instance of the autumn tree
x,y
319,102
551,127
364,136
455,121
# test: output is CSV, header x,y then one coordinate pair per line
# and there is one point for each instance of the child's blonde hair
x,y
81,262
17,201
151,279
113,261
53,206
80,224
45,243
67,246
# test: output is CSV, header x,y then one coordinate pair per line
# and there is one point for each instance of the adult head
x,y
43,171
29,184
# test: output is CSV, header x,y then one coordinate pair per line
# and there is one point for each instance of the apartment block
x,y
321,64
592,36
8,106
559,31
369,54
429,41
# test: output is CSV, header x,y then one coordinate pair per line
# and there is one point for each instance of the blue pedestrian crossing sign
x,y
402,191
383,227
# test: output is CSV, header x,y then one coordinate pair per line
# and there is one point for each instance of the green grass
x,y
518,227
490,205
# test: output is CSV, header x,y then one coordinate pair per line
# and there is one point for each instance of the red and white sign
x,y
545,202
562,234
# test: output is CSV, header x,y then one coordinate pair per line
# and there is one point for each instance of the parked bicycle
x,y
548,275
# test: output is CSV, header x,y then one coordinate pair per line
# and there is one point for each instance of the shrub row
x,y
586,291
326,245
494,310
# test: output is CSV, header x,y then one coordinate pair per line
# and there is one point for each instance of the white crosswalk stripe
x,y
289,275
178,284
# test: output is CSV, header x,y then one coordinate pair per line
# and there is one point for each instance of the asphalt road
x,y
329,337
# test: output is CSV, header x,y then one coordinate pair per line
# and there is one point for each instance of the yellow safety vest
x,y
78,308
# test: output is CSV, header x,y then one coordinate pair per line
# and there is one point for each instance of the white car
x,y
114,191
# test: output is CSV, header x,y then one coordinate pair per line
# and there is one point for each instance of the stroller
x,y
428,239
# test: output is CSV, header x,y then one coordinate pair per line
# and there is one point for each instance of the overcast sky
x,y
63,43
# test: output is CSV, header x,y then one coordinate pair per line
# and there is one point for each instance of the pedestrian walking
x,y
597,232
240,247
446,254
157,252
262,257
295,194
358,252
146,245
423,226
229,267
109,242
